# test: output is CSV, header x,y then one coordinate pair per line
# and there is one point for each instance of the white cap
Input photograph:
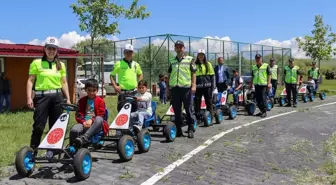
x,y
129,47
201,51
51,42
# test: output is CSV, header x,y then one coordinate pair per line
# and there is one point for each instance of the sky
x,y
267,22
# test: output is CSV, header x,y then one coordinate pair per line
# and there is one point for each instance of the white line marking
x,y
186,157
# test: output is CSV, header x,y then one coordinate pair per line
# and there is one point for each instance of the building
x,y
15,60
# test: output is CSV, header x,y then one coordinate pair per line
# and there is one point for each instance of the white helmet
x,y
51,42
201,51
128,47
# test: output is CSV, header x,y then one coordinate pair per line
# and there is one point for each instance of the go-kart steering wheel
x,y
128,97
69,107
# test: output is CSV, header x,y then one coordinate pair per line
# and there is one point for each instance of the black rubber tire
x,y
206,114
231,108
19,161
166,131
140,141
250,111
121,148
77,164
219,113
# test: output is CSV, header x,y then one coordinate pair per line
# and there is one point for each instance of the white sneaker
x,y
137,127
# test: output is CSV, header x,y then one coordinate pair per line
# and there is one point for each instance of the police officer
x,y
275,75
291,74
261,75
182,84
315,73
205,82
129,73
49,76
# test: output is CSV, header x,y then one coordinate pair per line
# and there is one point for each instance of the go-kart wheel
x,y
219,116
24,161
232,112
282,101
126,148
207,119
304,98
269,105
195,124
311,97
169,132
82,164
143,141
251,107
322,95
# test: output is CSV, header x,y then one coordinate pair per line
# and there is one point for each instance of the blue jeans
x,y
235,94
163,96
138,117
5,97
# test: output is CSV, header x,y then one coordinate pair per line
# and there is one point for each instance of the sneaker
x,y
294,105
137,128
190,134
288,105
263,115
259,114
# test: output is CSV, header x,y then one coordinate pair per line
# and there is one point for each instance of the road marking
x,y
186,157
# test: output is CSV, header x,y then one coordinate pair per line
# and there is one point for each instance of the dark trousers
x,y
122,100
221,87
260,95
163,96
207,93
5,97
291,89
274,86
78,129
182,95
316,84
45,106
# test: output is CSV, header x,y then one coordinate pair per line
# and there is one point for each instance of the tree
x,y
100,17
319,46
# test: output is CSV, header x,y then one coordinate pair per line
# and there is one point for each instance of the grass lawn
x,y
15,128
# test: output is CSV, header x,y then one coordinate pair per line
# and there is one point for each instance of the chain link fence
x,y
154,52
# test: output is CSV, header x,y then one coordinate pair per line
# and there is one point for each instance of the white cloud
x,y
6,41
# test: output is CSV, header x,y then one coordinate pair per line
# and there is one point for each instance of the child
x,y
163,86
235,86
310,85
144,111
89,117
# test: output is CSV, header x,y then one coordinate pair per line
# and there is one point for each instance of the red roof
x,y
33,50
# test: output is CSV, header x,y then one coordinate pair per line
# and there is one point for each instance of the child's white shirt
x,y
311,83
145,104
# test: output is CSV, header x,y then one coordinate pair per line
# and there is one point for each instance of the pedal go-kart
x,y
221,106
246,101
269,98
81,160
168,125
205,116
124,136
311,92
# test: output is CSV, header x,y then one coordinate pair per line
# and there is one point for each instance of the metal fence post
x,y
207,48
150,63
189,47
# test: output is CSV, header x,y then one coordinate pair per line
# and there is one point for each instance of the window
x,y
2,65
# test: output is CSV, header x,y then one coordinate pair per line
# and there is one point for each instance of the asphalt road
x,y
262,153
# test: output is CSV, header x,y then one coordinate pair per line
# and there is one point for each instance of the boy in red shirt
x,y
89,117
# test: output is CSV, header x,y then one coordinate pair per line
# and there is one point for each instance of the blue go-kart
x,y
81,160
205,116
222,107
245,101
122,134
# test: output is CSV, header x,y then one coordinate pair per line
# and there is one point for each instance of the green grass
x,y
16,128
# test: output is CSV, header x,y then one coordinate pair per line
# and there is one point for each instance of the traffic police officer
x,y
261,75
315,73
128,73
182,84
275,75
49,76
291,74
